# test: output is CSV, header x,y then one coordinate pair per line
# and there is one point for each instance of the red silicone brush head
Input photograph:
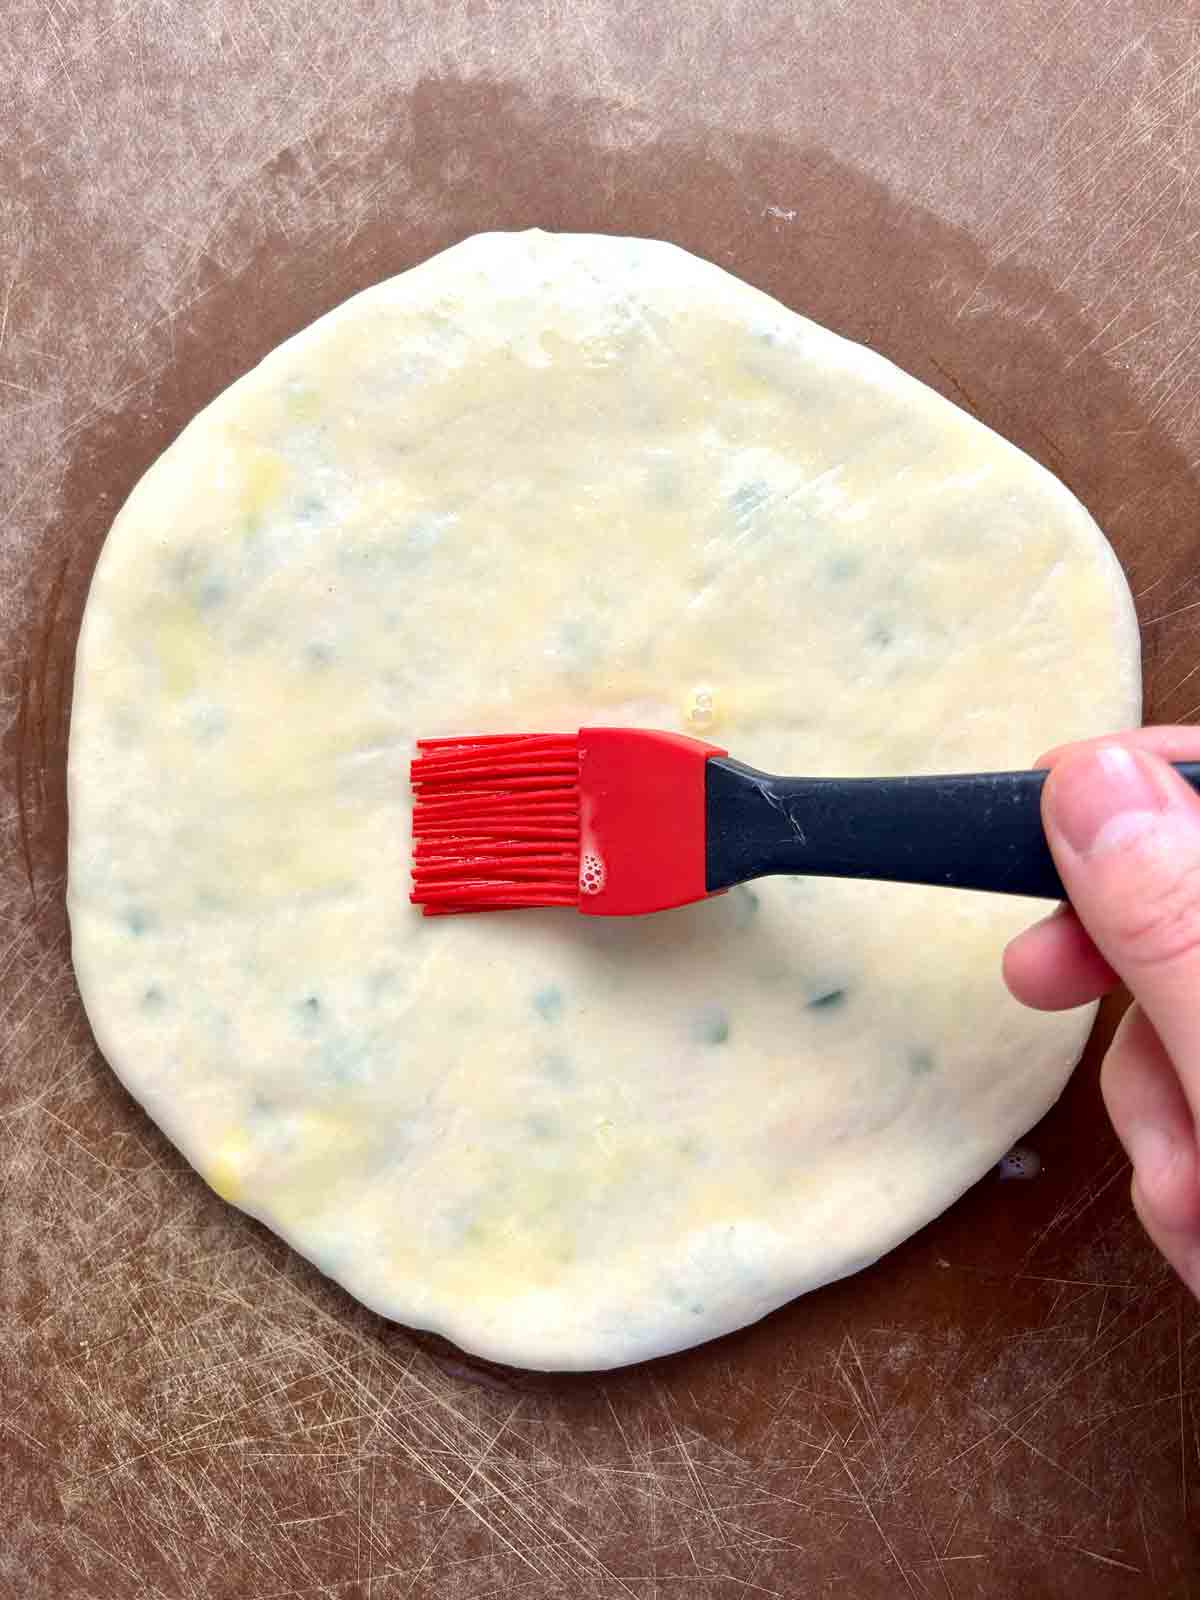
x,y
611,821
495,823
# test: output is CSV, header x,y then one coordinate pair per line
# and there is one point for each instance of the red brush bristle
x,y
495,823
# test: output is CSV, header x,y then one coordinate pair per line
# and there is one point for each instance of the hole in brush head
x,y
591,873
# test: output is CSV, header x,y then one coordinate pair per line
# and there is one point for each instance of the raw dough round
x,y
537,482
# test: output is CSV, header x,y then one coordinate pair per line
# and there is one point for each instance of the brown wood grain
x,y
1000,199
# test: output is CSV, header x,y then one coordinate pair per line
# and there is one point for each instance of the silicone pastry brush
x,y
622,821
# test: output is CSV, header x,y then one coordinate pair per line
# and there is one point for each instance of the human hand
x,y
1125,833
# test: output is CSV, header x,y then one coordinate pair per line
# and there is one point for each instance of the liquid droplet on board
x,y
1020,1162
701,709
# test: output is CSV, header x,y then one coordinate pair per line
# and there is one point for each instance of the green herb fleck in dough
x,y
840,568
827,1000
747,903
678,1298
577,649
746,501
268,1126
421,537
557,1067
542,1126
663,482
153,999
548,1003
311,508
881,634
138,921
920,1062
308,1012
341,1059
712,1025
378,983
573,638
303,402
208,723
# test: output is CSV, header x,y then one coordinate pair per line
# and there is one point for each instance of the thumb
x,y
1124,829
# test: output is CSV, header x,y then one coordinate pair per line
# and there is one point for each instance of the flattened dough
x,y
537,482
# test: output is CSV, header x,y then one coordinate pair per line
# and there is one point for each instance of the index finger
x,y
1178,742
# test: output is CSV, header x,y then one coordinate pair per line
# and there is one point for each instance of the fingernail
x,y
1102,798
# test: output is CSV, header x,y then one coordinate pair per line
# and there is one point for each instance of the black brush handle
x,y
979,830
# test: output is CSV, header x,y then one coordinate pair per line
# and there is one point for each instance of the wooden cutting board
x,y
1000,198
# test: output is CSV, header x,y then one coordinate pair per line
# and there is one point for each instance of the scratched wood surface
x,y
999,194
